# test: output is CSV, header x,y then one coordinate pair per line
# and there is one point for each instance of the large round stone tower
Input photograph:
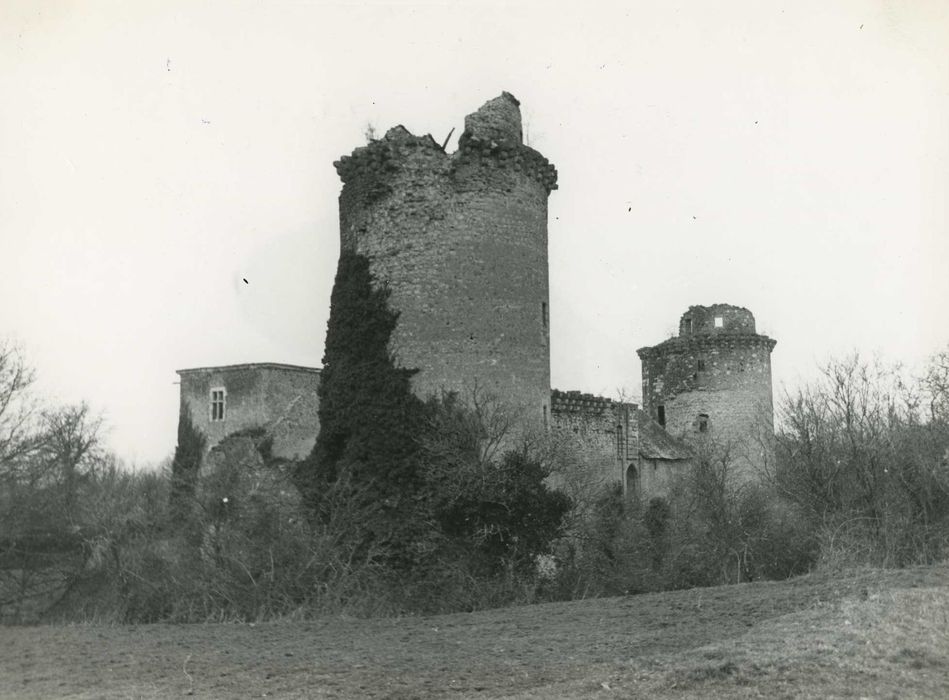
x,y
461,241
713,381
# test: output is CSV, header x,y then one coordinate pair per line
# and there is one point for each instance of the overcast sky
x,y
790,157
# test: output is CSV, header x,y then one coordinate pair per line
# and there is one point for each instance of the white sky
x,y
791,157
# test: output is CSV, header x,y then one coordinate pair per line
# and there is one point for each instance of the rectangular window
x,y
544,318
688,326
217,404
661,415
701,365
703,423
719,322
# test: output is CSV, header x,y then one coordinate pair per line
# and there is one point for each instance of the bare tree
x,y
861,451
45,455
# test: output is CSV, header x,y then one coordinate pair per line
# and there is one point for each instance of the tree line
x,y
411,506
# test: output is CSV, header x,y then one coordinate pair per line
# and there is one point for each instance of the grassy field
x,y
865,634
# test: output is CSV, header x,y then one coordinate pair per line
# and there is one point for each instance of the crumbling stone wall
x,y
461,242
281,399
604,433
713,383
701,320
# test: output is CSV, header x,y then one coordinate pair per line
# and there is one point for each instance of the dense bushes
x,y
863,455
691,537
243,547
407,506
370,421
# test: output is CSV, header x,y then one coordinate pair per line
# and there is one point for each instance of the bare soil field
x,y
865,634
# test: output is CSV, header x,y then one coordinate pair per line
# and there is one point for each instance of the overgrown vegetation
x,y
864,455
407,506
861,478
368,449
186,460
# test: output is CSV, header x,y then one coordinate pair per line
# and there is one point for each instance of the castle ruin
x,y
460,241
712,383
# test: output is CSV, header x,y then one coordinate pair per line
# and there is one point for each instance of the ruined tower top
x,y
713,381
459,240
492,137
497,120
715,319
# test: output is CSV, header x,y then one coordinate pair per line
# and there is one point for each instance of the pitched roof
x,y
656,443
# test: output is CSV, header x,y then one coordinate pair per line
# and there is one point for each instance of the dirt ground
x,y
868,634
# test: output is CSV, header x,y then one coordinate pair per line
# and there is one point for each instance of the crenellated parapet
x,y
575,402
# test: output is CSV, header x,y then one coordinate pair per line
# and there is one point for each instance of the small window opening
x,y
703,423
217,404
620,452
545,416
544,318
700,365
719,322
661,415
688,325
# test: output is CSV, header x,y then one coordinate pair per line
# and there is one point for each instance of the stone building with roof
x,y
277,398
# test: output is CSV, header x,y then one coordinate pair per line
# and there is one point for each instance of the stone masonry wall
x,y
723,374
656,476
604,433
280,398
461,242
700,320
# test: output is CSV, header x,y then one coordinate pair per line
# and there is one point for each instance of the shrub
x,y
369,419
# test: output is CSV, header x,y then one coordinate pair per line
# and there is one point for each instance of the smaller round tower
x,y
712,382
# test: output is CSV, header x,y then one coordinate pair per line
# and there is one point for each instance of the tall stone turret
x,y
460,240
713,381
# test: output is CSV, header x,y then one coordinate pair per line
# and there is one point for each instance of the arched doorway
x,y
632,483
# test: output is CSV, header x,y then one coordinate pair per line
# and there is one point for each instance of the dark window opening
x,y
661,415
545,416
217,404
688,325
703,423
544,318
701,365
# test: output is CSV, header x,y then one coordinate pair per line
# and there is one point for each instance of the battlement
x,y
578,402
